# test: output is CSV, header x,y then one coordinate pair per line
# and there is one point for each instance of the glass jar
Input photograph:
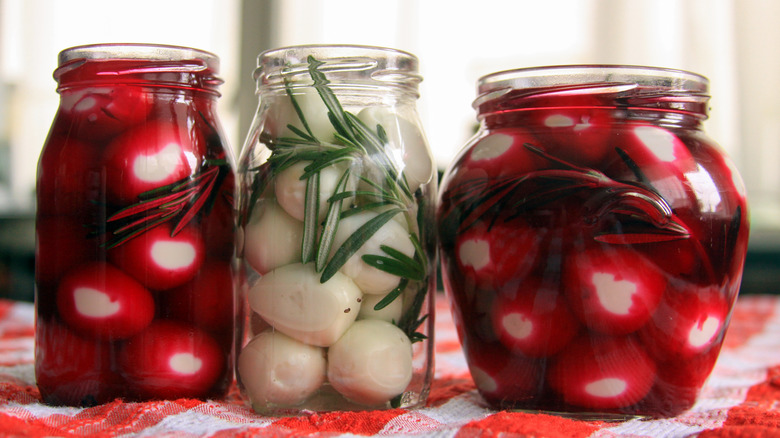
x,y
336,209
592,240
135,231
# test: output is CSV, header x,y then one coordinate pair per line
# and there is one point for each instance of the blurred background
x,y
735,43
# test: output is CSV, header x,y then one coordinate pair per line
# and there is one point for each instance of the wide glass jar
x,y
337,247
135,230
592,240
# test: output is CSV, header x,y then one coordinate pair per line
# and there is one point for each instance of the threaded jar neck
x,y
148,65
637,92
348,69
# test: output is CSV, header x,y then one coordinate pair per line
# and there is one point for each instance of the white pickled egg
x,y
368,278
290,189
281,113
390,313
408,147
292,299
277,369
371,363
272,238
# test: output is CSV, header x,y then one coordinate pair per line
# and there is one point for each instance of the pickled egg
x,y
292,299
407,145
272,238
277,369
283,113
371,363
290,189
368,278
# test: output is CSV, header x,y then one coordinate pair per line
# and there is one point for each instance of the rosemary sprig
x,y
181,201
388,194
311,214
396,263
513,195
331,223
355,241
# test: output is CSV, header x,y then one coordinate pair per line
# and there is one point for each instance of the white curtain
x,y
735,43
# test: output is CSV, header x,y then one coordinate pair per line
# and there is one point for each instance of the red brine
x,y
135,232
592,240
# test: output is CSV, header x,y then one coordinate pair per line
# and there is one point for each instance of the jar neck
x,y
661,96
153,66
355,73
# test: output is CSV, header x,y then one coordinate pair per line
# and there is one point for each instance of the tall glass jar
x,y
135,230
592,240
336,210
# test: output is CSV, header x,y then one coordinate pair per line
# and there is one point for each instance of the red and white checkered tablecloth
x,y
741,399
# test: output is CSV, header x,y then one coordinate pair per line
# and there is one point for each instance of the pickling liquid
x,y
592,258
135,235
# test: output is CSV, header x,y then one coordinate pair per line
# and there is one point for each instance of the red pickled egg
x,y
501,377
218,226
158,260
100,301
497,255
72,370
661,157
602,372
689,322
574,128
503,153
171,360
69,176
100,112
678,384
533,319
148,157
612,290
206,300
52,234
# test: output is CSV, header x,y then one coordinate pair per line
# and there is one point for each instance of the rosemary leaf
x,y
335,111
392,266
331,224
355,241
412,264
300,133
352,194
310,217
375,146
390,297
365,135
382,134
371,206
409,322
298,111
417,337
375,185
418,251
348,141
327,159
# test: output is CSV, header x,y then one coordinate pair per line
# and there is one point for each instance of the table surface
x,y
741,398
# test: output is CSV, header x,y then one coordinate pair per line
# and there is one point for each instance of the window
x,y
733,42
32,32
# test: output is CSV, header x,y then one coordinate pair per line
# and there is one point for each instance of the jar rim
x,y
347,66
337,50
617,77
152,52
